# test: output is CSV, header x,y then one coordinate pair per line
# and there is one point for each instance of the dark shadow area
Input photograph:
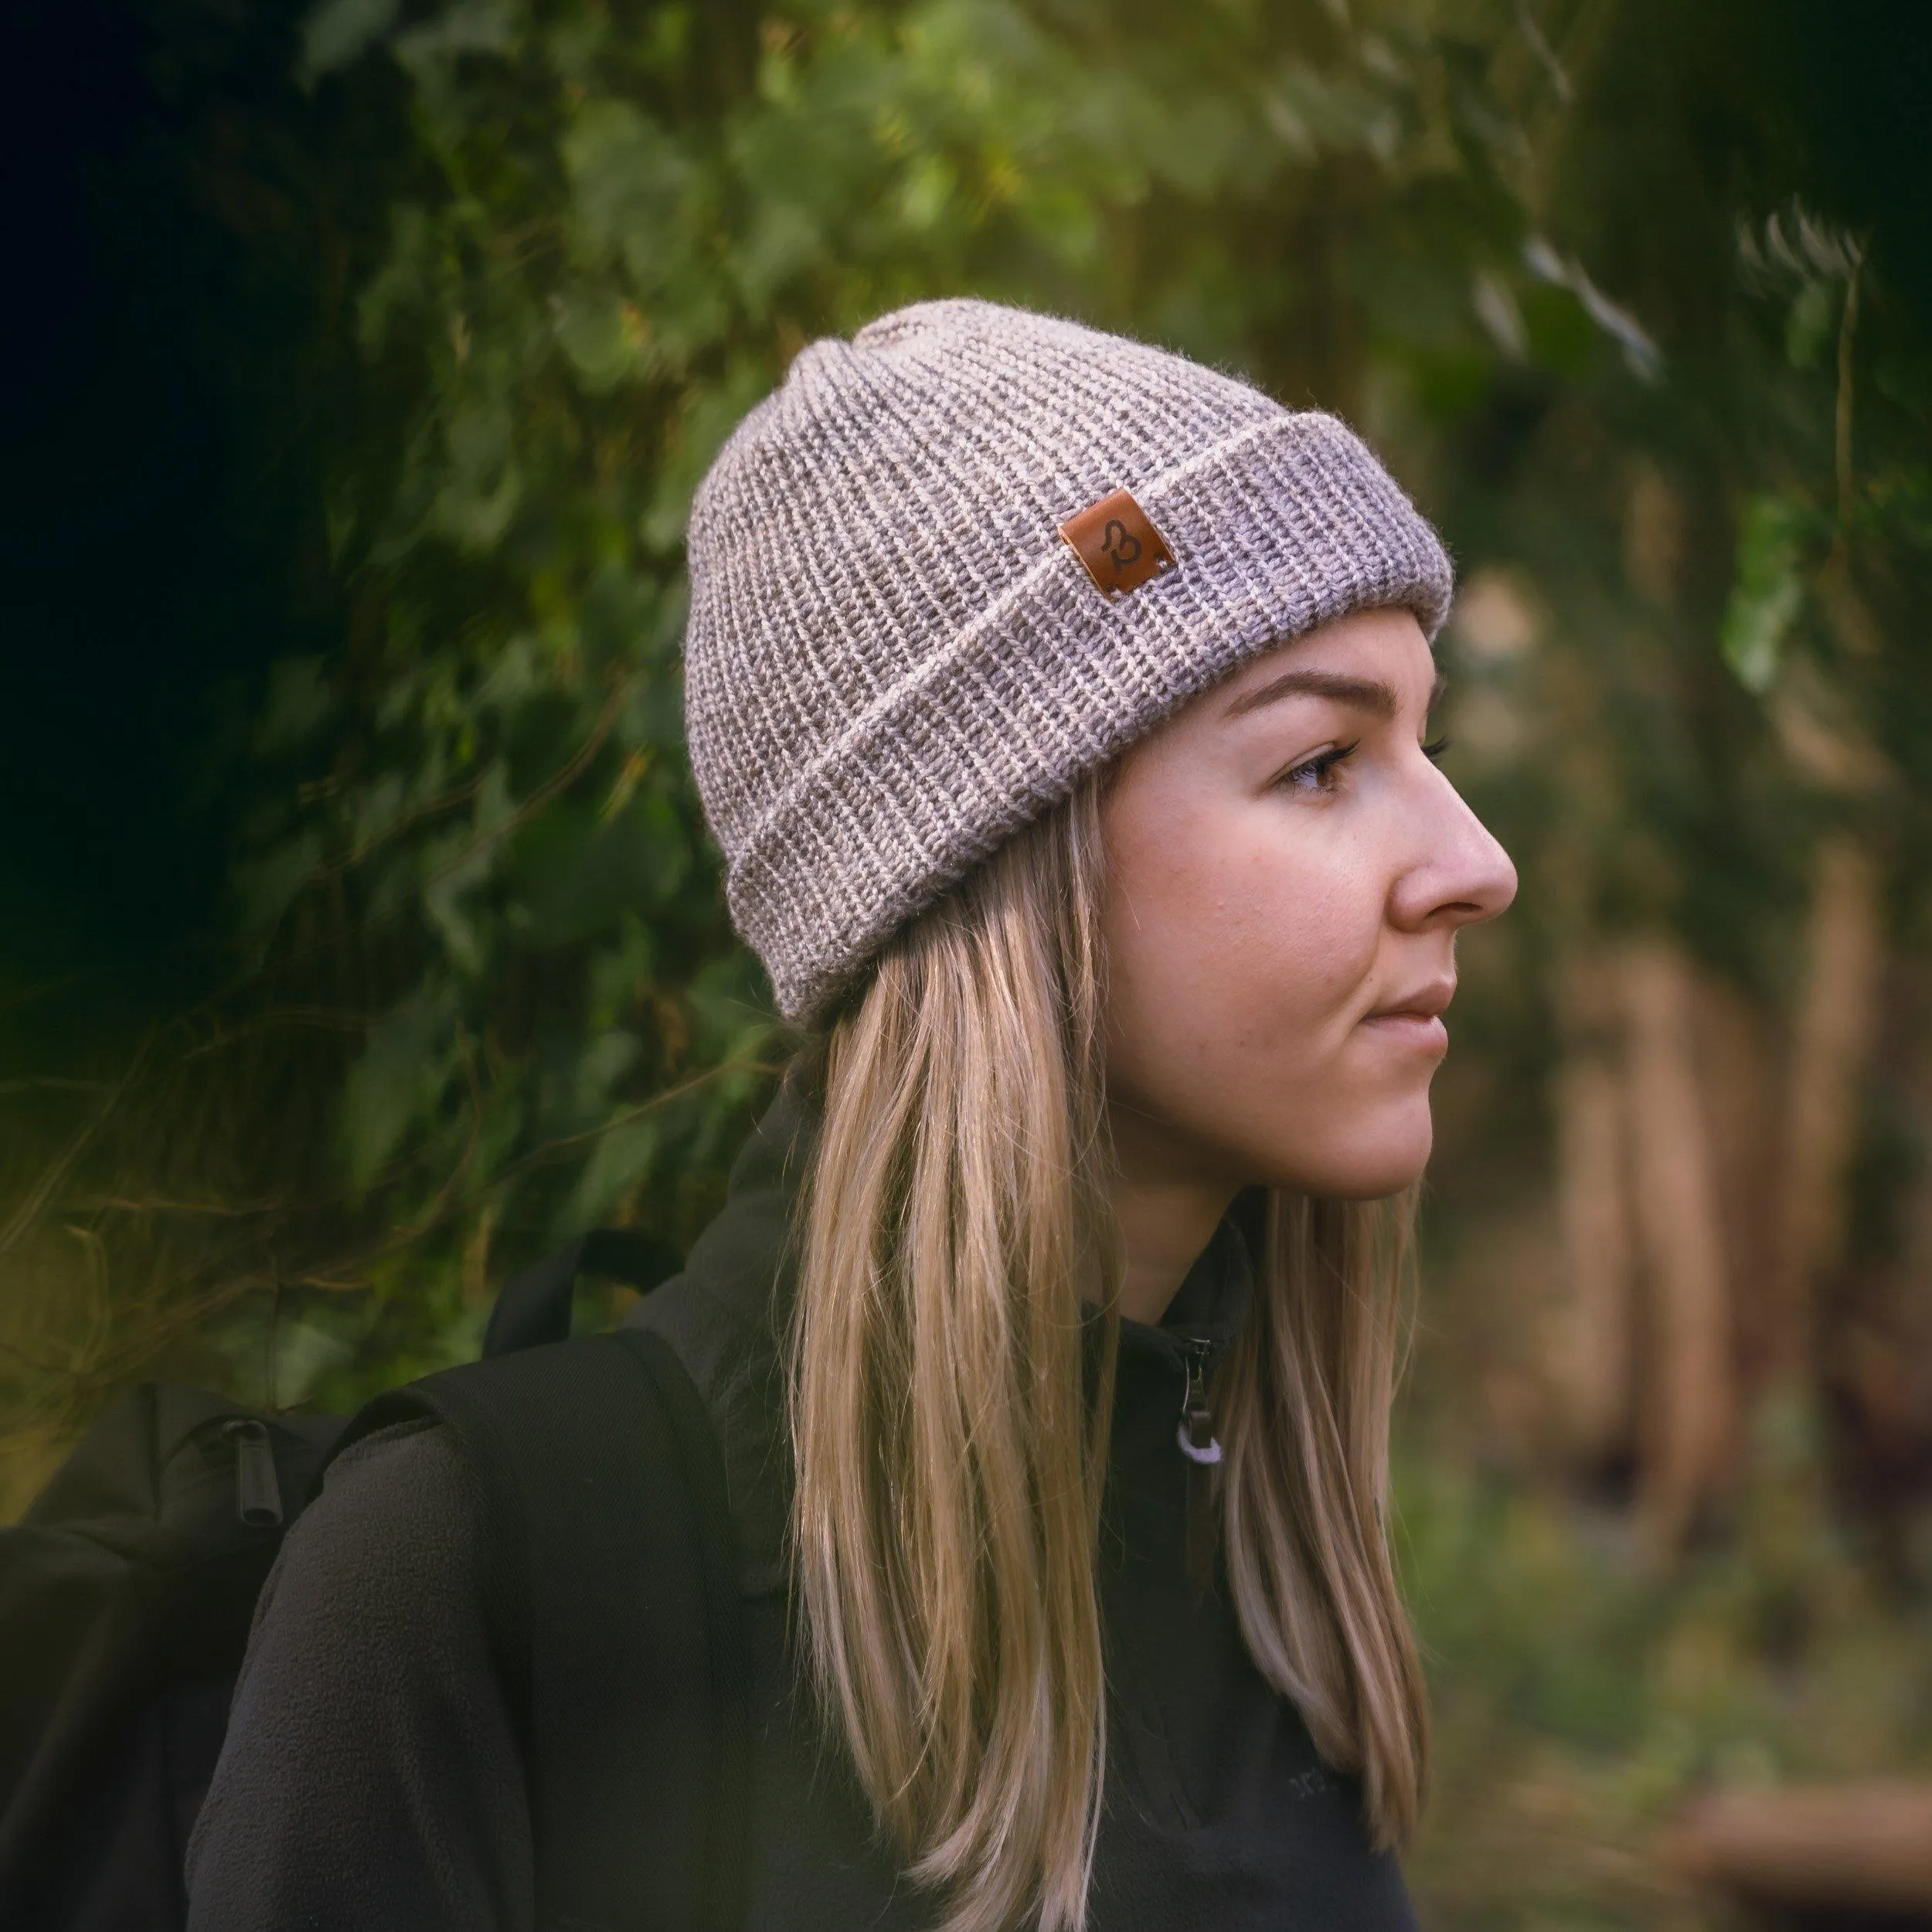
x,y
169,355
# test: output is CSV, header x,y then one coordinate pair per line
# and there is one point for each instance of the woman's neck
x,y
1166,1212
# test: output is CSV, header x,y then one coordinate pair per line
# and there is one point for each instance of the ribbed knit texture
x,y
894,661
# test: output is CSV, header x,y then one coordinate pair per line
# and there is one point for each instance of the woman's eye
x,y
1432,750
1317,774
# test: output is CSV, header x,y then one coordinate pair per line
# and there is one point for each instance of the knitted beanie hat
x,y
958,561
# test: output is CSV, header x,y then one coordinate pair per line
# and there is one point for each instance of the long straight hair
x,y
950,1429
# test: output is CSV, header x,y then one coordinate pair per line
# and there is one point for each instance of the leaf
x,y
400,288
266,886
300,702
620,616
467,27
710,415
603,336
1814,315
783,239
617,971
305,1352
483,484
376,810
459,862
624,1156
731,1003
338,31
1641,356
927,191
631,183
578,875
400,1077
1767,593
603,1063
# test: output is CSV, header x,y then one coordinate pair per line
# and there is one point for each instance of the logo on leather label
x,y
1120,547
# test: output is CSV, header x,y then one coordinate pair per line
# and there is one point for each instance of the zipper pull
x,y
1195,1432
258,1496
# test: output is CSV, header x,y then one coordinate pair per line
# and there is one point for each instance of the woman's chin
x,y
1379,1158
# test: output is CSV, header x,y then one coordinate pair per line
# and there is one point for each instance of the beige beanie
x,y
956,562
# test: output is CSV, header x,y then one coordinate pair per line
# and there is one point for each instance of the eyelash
x,y
1324,763
1318,768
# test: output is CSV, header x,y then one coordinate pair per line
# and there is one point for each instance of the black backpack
x,y
126,1594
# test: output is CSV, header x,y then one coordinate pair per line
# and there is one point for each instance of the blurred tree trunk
x,y
1864,1848
1688,1406
1831,1037
1593,1354
1740,1067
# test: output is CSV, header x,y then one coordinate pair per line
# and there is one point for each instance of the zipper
x,y
258,1495
1195,1432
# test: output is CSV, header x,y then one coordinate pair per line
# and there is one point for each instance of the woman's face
x,y
1288,872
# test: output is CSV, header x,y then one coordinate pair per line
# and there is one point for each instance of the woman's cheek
x,y
1306,951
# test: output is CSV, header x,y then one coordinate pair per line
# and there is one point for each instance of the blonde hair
x,y
950,1427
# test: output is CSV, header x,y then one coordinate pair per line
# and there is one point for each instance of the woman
x,y
1060,707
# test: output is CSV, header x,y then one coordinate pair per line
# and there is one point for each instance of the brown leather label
x,y
1120,548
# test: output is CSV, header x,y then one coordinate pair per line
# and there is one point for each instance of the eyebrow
x,y
1364,694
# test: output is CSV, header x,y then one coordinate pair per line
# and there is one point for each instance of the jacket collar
x,y
744,1266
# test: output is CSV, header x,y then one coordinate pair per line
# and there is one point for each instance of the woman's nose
x,y
1461,877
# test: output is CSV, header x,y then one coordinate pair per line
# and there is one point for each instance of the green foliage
x,y
1581,1700
1768,592
622,227
620,224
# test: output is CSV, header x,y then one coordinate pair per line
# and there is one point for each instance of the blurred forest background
x,y
358,932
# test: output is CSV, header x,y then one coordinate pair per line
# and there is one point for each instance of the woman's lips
x,y
1416,1018
1411,1029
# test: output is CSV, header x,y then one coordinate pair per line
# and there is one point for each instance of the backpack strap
x,y
533,1306
614,1598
